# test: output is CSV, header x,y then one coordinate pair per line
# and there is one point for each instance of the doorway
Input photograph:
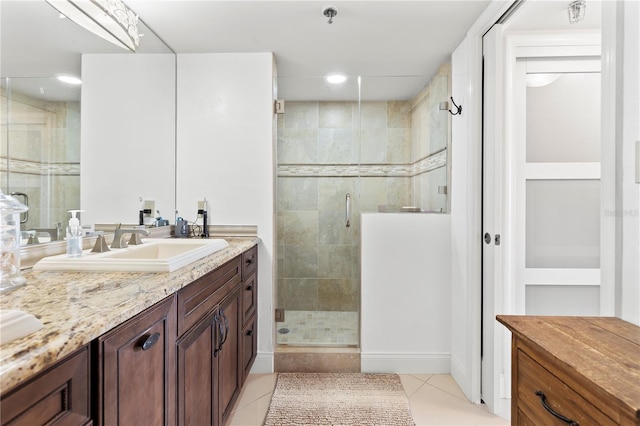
x,y
541,206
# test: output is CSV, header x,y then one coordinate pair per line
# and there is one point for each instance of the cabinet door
x,y
249,345
197,372
229,363
58,396
137,369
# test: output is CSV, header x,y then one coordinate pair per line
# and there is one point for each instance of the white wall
x,y
406,293
127,136
225,153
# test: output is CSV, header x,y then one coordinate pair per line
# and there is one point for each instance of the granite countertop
x,y
78,307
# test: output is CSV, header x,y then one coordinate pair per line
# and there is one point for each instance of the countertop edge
x,y
81,306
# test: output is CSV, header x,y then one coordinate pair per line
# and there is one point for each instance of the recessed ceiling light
x,y
336,78
69,79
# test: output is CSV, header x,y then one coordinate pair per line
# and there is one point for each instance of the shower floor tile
x,y
319,328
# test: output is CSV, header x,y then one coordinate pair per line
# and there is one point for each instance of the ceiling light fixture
x,y
69,79
329,12
336,78
576,10
110,19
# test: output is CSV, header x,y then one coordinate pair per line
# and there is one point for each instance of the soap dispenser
x,y
74,235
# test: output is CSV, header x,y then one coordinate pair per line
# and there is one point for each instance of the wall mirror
x,y
40,145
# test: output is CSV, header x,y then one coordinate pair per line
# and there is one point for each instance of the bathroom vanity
x,y
134,348
574,370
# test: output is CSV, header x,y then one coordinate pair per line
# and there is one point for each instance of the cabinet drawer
x,y
58,396
201,296
249,297
532,378
249,262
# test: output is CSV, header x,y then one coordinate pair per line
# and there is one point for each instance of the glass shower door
x,y
317,220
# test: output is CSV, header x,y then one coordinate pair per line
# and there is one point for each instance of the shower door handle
x,y
348,210
24,217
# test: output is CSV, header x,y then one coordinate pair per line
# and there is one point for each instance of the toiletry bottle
x,y
74,235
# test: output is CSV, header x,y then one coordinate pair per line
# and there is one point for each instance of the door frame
x,y
505,289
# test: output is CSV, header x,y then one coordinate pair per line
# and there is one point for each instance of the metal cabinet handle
x,y
543,400
218,347
226,328
348,210
149,341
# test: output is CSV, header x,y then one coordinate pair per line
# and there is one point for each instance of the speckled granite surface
x,y
77,307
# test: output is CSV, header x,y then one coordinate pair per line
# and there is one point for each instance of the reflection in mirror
x,y
41,152
41,116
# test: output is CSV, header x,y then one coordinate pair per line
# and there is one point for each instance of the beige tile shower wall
x,y
431,131
318,264
43,150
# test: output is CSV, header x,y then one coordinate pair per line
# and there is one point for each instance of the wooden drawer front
x,y
532,377
58,396
249,345
249,297
249,261
201,296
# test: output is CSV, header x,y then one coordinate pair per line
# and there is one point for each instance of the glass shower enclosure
x,y
347,151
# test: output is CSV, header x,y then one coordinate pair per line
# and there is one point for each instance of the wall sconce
x,y
576,10
110,19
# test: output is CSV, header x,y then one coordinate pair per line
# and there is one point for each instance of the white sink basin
x,y
16,324
161,255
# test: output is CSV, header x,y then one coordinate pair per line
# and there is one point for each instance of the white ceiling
x,y
408,40
397,46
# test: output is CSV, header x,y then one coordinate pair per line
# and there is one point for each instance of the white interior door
x,y
556,179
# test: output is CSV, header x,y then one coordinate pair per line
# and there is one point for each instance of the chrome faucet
x,y
135,237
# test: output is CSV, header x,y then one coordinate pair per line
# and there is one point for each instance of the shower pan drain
x,y
283,330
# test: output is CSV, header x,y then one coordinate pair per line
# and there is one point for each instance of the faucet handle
x,y
101,245
135,239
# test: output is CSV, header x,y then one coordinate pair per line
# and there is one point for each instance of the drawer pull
x,y
249,287
150,341
249,261
250,332
543,400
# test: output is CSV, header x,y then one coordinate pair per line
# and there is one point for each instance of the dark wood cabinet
x,y
136,361
197,372
211,355
182,361
230,372
59,395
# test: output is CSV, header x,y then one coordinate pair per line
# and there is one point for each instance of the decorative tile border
x,y
35,168
427,164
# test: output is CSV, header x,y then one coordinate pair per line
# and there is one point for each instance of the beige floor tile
x,y
410,384
446,383
432,406
252,414
256,387
422,377
434,400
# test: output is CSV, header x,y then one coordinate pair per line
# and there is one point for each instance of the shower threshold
x,y
319,329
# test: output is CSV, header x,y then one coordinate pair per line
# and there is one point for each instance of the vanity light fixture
x,y
112,20
69,79
576,10
336,78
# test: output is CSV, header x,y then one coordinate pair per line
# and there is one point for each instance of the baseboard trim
x,y
429,363
263,363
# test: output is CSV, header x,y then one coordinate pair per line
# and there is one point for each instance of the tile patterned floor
x,y
434,399
319,328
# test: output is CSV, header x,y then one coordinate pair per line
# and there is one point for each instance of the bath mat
x,y
338,399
